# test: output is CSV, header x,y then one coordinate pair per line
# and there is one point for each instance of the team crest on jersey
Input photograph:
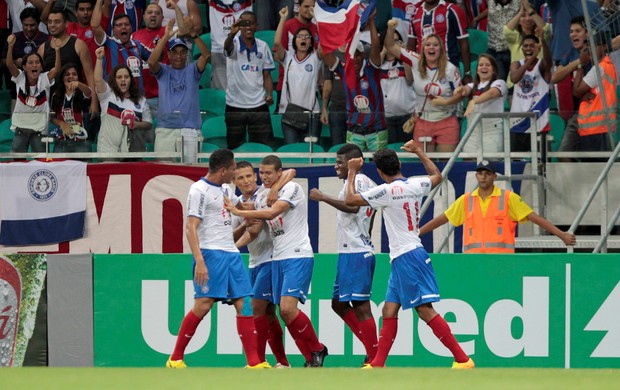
x,y
236,7
88,34
128,4
440,18
410,10
42,185
527,83
364,84
27,49
227,21
134,65
393,73
259,55
432,89
443,80
361,104
397,190
308,67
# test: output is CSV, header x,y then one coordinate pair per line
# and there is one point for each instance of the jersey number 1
x,y
407,209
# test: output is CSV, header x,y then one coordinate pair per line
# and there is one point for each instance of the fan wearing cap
x,y
594,119
489,216
178,112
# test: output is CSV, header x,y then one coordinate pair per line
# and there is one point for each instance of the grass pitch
x,y
299,379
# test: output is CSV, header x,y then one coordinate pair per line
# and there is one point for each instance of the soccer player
x,y
292,258
412,278
255,234
356,258
219,273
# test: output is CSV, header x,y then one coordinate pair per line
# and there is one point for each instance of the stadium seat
x,y
478,42
267,36
276,126
301,147
557,131
204,16
214,131
333,150
6,136
207,148
253,147
5,104
212,102
207,40
396,146
205,80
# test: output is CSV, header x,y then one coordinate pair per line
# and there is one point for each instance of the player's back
x,y
206,202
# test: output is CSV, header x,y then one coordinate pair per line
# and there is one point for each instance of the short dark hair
x,y
350,151
221,158
30,12
243,163
272,159
250,13
581,20
387,162
78,2
65,14
120,16
530,36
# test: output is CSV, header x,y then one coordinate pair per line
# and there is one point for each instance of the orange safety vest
x,y
493,232
592,118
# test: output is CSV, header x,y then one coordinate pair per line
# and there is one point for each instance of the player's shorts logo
x,y
42,185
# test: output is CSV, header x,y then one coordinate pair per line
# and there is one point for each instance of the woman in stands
x,y
124,110
399,98
302,65
70,103
30,116
433,76
524,23
486,94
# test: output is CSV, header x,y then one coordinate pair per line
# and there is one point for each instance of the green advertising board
x,y
523,310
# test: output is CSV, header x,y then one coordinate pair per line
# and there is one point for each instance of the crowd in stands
x,y
138,75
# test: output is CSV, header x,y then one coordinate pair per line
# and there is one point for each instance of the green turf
x,y
298,378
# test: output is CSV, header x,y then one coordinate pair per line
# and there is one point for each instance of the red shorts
x,y
444,132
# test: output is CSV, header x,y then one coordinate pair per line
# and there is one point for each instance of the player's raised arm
x,y
433,172
352,198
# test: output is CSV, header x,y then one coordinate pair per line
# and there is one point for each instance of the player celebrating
x,y
412,278
356,259
292,258
219,273
255,235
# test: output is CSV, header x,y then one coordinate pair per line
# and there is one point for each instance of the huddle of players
x,y
271,219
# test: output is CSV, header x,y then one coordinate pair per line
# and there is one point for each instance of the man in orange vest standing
x,y
490,216
596,114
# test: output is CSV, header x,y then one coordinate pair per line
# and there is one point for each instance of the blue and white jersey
x,y
289,230
261,247
401,201
206,202
354,228
530,94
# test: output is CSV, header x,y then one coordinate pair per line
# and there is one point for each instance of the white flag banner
x,y
42,203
